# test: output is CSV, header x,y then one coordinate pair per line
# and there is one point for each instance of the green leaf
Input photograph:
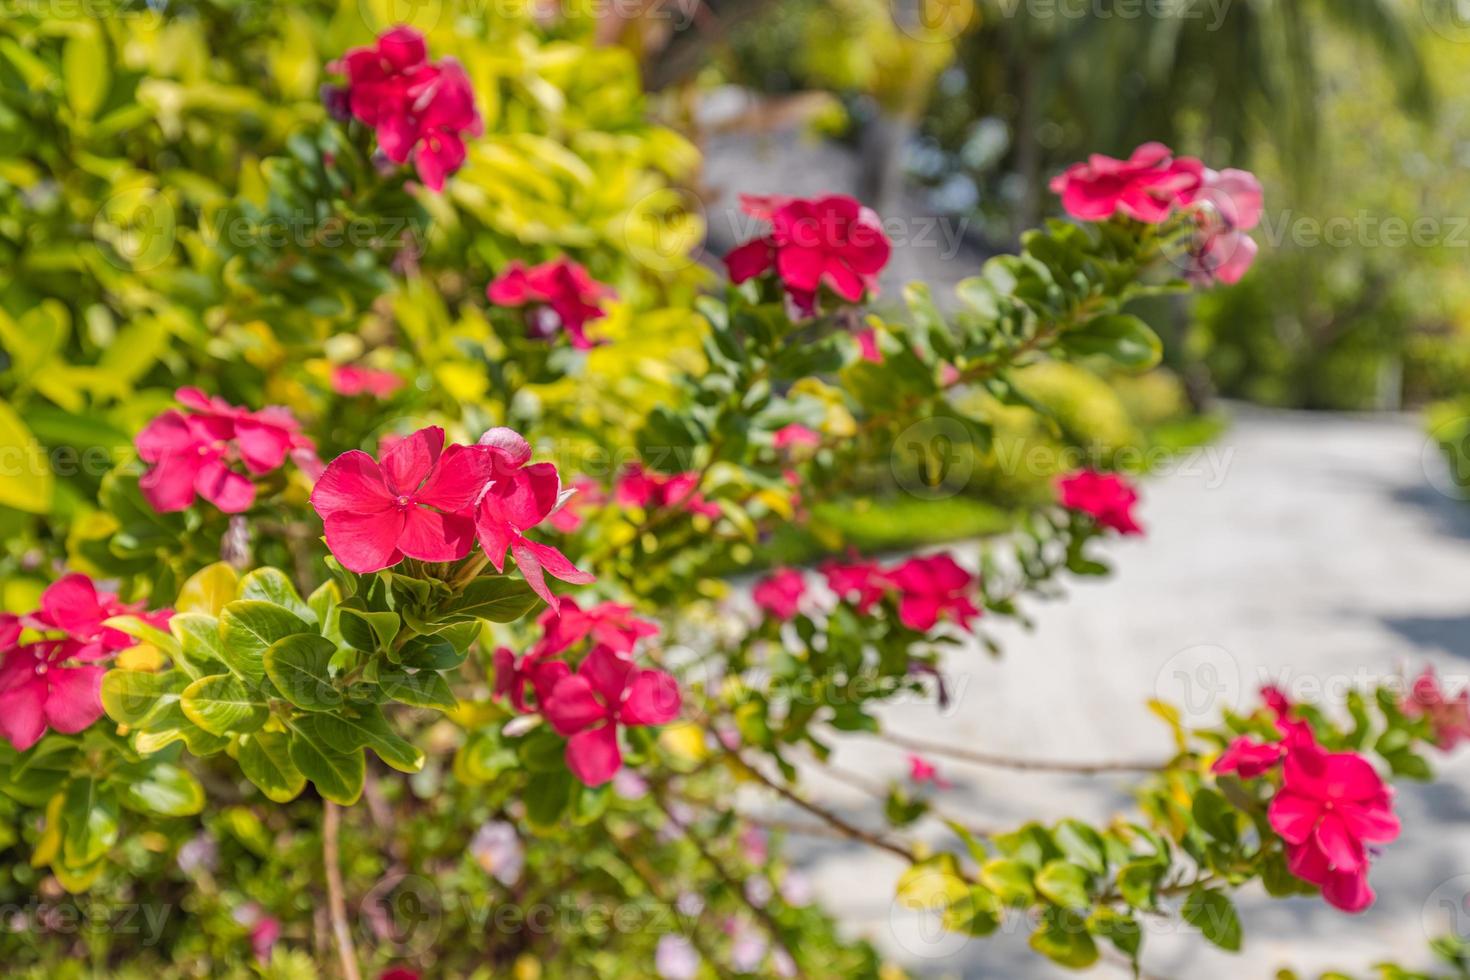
x,y
1082,845
337,776
199,640
934,884
84,70
546,796
222,705
89,820
1216,816
1124,338
422,689
1137,881
368,631
299,667
164,789
431,652
271,585
132,697
208,590
1213,914
248,627
1010,880
1064,883
265,759
1063,938
144,633
363,726
498,598
26,483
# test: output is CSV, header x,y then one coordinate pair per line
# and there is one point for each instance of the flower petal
x,y
653,699
75,698
572,705
352,483
412,459
593,755
431,536
365,542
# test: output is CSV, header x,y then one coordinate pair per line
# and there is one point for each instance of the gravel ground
x,y
1312,551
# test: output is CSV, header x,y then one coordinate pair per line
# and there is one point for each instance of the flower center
x,y
403,500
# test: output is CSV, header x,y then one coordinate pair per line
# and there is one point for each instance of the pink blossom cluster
x,y
638,487
215,450
927,589
605,693
1105,497
1449,717
1153,184
830,241
432,502
418,109
50,673
1329,807
559,295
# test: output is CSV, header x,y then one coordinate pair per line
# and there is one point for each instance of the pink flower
x,y
1147,186
263,937
399,973
560,295
519,497
780,594
201,453
1230,204
832,241
795,435
567,518
933,588
861,579
868,346
610,624
417,109
413,504
1329,806
654,491
351,380
48,685
1248,758
1449,718
1106,497
606,692
922,771
513,674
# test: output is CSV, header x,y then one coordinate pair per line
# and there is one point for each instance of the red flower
x,y
55,682
519,497
832,241
1147,186
863,579
1248,758
351,380
607,691
1232,202
417,109
933,588
922,771
1449,718
1106,497
399,973
610,624
561,296
1329,806
780,594
795,435
513,674
201,453
412,504
654,491
868,346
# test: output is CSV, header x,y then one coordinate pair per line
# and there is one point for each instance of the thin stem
x,y
336,903
1020,765
838,823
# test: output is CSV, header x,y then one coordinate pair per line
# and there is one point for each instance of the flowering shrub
x,y
330,665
